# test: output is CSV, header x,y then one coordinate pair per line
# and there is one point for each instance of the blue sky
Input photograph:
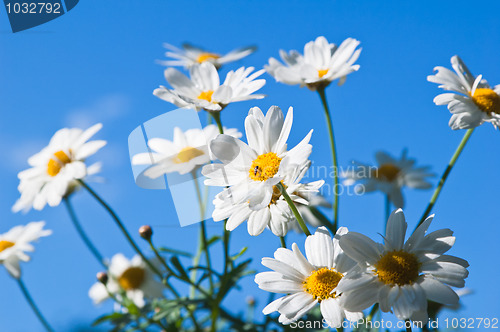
x,y
97,64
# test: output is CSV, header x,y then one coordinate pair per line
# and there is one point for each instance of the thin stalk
x,y
33,306
408,325
372,312
292,206
283,243
446,172
321,92
82,233
387,210
122,227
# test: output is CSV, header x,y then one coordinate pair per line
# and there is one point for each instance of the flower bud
x,y
102,277
146,232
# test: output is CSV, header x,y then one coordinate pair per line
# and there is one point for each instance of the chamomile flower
x,y
131,276
321,63
399,275
55,170
16,242
204,91
390,176
252,170
187,151
310,281
191,55
277,215
471,101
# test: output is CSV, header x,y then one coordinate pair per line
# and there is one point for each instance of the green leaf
x,y
175,252
178,266
242,251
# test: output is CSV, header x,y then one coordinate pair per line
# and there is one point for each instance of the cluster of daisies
x,y
261,183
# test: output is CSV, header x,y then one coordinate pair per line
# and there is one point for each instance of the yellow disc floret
x,y
132,278
186,154
5,245
55,164
321,283
386,172
322,72
398,267
206,95
487,100
264,167
206,57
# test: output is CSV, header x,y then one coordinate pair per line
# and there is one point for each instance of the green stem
x,y
82,233
283,243
446,172
292,206
408,325
122,227
372,312
33,306
387,211
321,92
216,116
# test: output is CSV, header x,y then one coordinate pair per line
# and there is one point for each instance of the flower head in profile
x,y
204,91
191,55
55,170
390,176
308,281
16,242
131,276
321,63
187,151
399,275
471,101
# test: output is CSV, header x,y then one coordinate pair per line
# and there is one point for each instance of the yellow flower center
x,y
487,100
207,56
5,245
186,154
398,267
322,72
386,172
55,164
206,95
132,278
321,283
264,167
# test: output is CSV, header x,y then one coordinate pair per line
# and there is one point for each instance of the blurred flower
x,y
131,276
308,281
204,91
389,177
314,201
277,214
56,168
472,101
185,153
191,55
16,242
399,275
321,63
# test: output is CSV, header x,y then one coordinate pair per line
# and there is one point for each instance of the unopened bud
x,y
102,277
250,300
146,232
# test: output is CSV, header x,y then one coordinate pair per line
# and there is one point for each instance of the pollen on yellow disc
x,y
206,95
322,282
5,245
63,157
487,100
186,154
264,167
207,56
386,172
398,267
132,278
322,72
55,164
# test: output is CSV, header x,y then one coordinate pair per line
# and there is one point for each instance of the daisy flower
x,y
55,169
277,215
399,275
16,242
321,63
310,281
191,55
187,151
471,101
204,91
390,176
251,171
131,276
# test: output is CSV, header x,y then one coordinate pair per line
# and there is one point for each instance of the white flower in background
x,y
16,242
472,101
306,211
390,176
187,151
191,55
399,275
251,171
310,281
321,63
204,91
277,215
131,276
55,169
